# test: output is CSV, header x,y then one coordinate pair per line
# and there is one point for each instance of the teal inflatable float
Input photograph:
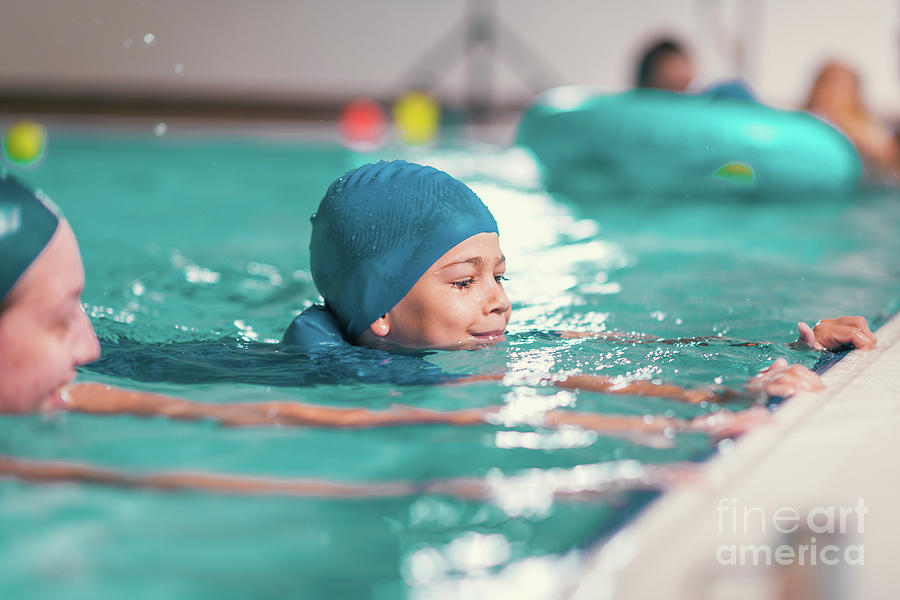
x,y
662,142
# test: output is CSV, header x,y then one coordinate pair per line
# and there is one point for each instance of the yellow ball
x,y
24,142
417,117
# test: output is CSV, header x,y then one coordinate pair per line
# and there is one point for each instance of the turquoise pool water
x,y
202,243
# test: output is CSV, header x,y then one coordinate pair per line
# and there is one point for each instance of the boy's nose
x,y
86,347
497,302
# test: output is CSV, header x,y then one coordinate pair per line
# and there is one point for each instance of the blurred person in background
x,y
665,65
836,96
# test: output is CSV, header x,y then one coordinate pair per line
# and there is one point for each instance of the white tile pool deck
x,y
824,451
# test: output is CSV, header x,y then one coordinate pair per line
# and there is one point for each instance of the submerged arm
x,y
778,379
647,477
599,383
641,387
95,398
46,471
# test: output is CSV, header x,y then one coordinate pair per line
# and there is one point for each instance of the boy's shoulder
x,y
316,333
314,329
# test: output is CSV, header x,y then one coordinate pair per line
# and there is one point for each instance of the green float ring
x,y
652,141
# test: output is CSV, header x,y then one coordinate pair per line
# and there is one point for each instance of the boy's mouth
x,y
496,335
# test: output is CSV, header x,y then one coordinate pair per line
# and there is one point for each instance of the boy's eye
x,y
499,278
462,283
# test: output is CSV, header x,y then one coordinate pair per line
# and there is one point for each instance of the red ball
x,y
362,124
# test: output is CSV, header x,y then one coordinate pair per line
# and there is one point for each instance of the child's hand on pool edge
x,y
783,379
836,334
727,424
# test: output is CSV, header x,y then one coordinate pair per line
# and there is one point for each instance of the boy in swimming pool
x,y
45,335
408,258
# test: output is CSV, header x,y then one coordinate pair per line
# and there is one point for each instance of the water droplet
x,y
179,68
148,39
128,42
160,129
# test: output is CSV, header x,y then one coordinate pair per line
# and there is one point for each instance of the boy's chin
x,y
477,343
468,343
50,402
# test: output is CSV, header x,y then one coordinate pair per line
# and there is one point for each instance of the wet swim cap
x,y
26,226
379,228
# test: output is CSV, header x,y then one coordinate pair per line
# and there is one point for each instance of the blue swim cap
x,y
379,228
26,225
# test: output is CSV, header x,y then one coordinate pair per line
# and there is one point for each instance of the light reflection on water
x,y
545,260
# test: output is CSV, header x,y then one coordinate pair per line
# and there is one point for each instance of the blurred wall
x,y
334,49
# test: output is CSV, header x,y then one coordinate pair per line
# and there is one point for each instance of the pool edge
x,y
823,450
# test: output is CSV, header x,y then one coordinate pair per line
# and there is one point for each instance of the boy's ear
x,y
381,327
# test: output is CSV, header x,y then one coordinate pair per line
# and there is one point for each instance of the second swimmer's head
x,y
407,256
44,332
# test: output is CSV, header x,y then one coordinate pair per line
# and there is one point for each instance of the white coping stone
x,y
824,451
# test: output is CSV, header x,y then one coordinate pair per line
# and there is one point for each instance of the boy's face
x,y
44,333
459,302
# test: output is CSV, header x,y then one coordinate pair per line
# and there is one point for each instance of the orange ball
x,y
362,125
